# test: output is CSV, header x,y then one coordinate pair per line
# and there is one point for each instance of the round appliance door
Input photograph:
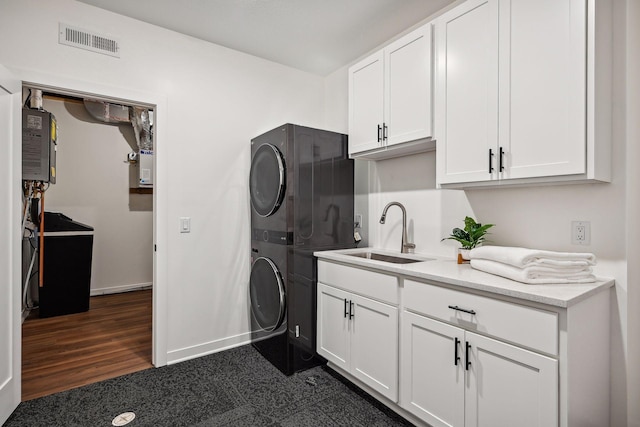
x,y
267,180
266,291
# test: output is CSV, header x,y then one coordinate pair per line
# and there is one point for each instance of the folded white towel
x,y
522,257
535,274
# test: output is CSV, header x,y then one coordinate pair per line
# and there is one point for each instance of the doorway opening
x,y
99,184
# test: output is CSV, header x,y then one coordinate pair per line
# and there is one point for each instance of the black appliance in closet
x,y
301,187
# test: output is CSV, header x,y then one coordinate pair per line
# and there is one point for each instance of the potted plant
x,y
473,235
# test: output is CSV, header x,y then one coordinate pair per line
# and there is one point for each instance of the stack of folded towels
x,y
533,266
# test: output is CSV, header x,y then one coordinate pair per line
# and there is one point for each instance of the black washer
x,y
267,294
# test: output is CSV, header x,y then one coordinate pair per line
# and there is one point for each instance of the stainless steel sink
x,y
387,258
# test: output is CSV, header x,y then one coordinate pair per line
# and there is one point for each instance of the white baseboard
x,y
187,353
121,288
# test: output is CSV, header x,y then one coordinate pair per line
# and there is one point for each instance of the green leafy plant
x,y
473,234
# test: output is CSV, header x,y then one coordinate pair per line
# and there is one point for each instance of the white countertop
x,y
448,271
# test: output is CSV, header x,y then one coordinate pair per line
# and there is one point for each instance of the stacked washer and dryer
x,y
301,187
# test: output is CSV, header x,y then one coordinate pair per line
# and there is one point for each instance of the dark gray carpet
x,y
236,387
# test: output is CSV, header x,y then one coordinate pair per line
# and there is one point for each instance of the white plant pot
x,y
463,256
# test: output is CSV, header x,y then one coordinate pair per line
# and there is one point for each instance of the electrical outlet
x,y
357,223
581,232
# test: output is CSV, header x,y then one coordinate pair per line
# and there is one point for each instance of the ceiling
x,y
317,36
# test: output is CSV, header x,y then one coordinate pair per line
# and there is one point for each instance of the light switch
x,y
185,224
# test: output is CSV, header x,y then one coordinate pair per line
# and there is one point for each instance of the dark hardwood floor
x,y
113,338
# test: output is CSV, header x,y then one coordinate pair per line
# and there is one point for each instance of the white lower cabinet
x,y
334,326
360,336
508,385
453,377
432,375
446,355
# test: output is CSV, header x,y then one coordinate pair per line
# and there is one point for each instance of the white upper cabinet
x,y
366,112
390,103
467,91
515,86
543,87
407,87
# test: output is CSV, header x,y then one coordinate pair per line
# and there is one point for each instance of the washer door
x,y
266,291
267,180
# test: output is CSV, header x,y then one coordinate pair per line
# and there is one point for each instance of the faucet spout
x,y
405,244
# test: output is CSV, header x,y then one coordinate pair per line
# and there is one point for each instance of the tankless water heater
x,y
39,139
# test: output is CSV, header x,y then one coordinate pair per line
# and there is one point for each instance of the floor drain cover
x,y
123,419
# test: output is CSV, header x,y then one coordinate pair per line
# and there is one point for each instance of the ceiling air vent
x,y
88,40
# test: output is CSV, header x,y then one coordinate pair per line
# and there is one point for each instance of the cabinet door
x,y
509,386
543,87
467,92
366,104
333,325
407,87
431,376
374,345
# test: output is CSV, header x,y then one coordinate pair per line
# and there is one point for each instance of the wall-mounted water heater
x,y
145,161
39,141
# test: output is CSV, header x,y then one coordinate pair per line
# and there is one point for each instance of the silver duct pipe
x,y
141,121
107,112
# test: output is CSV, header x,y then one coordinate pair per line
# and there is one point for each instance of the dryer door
x,y
267,180
266,291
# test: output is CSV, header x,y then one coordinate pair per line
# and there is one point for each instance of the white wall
x,y
431,213
92,187
217,100
537,217
336,118
633,207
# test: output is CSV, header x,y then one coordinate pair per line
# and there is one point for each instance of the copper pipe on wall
x,y
41,245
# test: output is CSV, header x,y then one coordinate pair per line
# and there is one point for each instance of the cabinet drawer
x,y
527,326
381,287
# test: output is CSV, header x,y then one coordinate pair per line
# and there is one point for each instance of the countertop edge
x,y
509,288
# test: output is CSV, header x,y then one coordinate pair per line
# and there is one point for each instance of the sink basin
x,y
387,258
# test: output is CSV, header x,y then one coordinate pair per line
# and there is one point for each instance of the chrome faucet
x,y
405,245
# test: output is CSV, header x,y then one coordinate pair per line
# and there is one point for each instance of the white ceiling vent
x,y
83,39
